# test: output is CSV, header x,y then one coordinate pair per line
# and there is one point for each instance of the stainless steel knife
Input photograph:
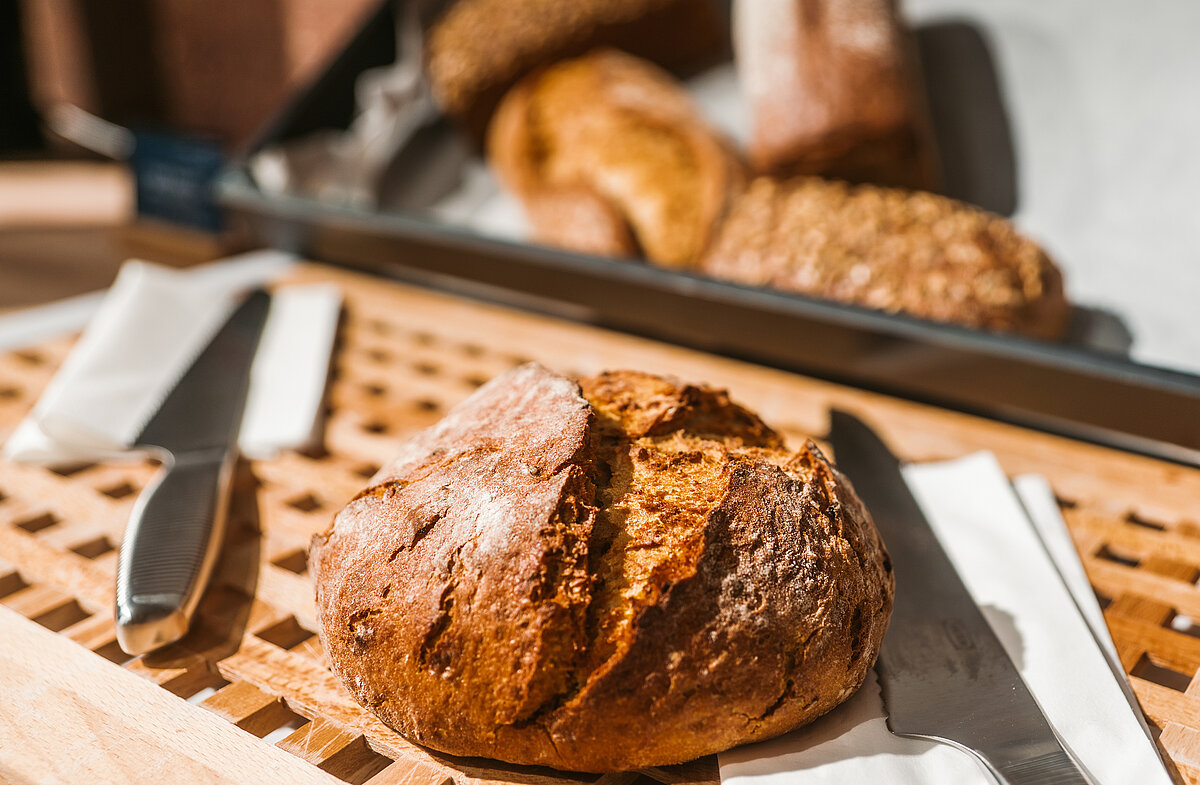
x,y
944,674
177,523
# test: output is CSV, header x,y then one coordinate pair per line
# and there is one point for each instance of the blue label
x,y
175,176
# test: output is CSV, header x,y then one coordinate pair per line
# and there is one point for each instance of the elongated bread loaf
x,y
893,250
599,576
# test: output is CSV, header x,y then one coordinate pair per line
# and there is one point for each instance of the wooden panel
x,y
93,722
405,356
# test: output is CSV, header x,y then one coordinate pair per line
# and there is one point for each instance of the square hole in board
x,y
296,561
62,616
113,652
204,692
39,522
286,634
355,763
1186,528
70,469
11,583
1180,623
118,491
247,707
1108,554
294,723
305,503
366,470
1167,677
1065,503
196,681
94,548
270,718
315,452
1145,523
378,355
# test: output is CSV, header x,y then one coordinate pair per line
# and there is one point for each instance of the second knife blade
x,y
943,672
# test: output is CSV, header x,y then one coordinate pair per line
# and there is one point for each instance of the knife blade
x,y
176,525
944,674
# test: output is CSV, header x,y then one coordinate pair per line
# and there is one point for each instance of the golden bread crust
x,y
889,249
481,48
625,133
630,573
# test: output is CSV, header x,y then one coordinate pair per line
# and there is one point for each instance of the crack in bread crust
x,y
619,573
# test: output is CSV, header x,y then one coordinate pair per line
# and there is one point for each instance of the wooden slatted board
x,y
404,357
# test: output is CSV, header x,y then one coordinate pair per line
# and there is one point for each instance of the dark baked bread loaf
x,y
480,48
889,249
601,576
609,156
833,90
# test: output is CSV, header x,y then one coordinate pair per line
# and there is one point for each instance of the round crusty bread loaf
x,y
598,576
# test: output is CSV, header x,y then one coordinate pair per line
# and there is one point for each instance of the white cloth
x,y
987,533
152,324
28,326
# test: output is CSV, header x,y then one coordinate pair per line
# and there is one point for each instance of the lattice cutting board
x,y
253,665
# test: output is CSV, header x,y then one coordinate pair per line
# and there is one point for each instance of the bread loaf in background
x,y
892,250
598,576
833,90
480,48
609,156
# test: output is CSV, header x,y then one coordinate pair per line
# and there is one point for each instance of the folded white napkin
x,y
152,324
986,531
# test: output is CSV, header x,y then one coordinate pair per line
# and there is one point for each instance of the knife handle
x,y
169,548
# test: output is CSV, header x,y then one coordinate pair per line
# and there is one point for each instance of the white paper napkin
x,y
152,324
987,533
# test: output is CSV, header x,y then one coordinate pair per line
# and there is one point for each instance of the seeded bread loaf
x,y
609,156
833,90
599,576
893,250
480,48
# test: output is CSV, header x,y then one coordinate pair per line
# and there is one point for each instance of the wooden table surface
x,y
66,227
404,357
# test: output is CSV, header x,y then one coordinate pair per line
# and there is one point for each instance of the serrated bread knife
x,y
176,526
944,674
